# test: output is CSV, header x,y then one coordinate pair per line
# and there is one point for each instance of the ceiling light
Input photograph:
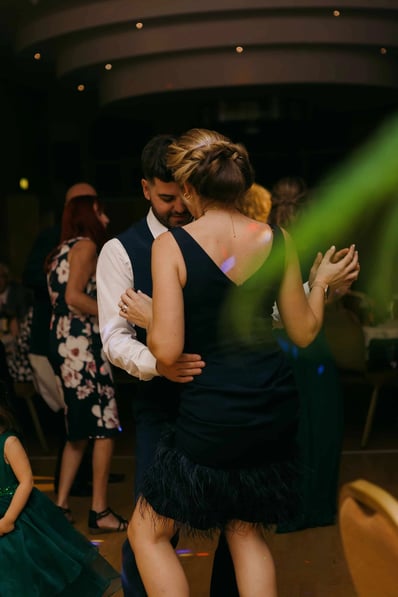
x,y
81,87
139,25
336,13
239,49
37,56
383,50
108,66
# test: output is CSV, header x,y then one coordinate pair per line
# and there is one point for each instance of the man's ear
x,y
145,188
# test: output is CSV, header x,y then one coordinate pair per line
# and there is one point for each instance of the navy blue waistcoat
x,y
137,240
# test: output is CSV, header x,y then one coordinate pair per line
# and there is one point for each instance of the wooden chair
x,y
368,524
347,342
26,390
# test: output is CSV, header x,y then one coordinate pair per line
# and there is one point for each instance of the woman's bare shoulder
x,y
165,239
84,245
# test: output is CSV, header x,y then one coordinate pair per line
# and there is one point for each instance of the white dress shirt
x,y
114,275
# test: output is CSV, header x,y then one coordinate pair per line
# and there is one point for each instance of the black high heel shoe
x,y
94,517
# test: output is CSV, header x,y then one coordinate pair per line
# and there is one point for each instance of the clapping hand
x,y
337,269
341,287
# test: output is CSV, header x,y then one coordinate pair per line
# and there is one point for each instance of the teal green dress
x,y
45,555
320,430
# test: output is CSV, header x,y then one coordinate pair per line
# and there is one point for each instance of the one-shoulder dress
x,y
45,556
232,454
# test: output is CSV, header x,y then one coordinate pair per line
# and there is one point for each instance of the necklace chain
x,y
230,215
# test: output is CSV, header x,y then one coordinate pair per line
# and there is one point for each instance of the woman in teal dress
x,y
320,427
41,553
320,430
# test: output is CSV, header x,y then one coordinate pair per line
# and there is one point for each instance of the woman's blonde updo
x,y
256,203
217,168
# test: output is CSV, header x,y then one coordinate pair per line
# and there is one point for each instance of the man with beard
x,y
125,262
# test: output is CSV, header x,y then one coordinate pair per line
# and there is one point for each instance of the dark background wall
x,y
308,90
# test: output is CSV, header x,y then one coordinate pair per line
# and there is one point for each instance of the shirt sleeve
x,y
114,275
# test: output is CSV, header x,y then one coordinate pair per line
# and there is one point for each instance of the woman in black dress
x,y
230,460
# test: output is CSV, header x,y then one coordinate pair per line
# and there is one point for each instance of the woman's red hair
x,y
80,219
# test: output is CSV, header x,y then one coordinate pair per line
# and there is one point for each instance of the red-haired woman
x,y
77,357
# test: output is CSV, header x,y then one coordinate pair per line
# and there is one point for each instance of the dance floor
x,y
309,563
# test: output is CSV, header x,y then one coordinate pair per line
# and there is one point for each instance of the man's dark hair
x,y
153,158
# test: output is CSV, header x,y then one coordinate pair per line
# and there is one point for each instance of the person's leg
x,y
101,517
71,459
131,580
223,581
253,562
81,486
149,424
102,455
150,537
147,434
49,386
61,436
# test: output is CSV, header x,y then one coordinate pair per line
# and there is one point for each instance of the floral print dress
x,y
78,359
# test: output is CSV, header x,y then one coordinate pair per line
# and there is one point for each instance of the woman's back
x,y
245,388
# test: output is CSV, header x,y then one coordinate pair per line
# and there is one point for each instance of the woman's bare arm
x,y
82,264
302,316
166,330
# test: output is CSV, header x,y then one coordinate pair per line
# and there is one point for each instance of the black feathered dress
x,y
232,454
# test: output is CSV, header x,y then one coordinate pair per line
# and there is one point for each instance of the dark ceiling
x,y
308,88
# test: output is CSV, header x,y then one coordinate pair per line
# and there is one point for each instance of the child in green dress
x,y
41,553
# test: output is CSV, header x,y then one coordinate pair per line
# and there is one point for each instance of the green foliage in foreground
x,y
366,184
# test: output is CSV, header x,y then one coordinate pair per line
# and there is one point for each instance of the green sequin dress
x,y
45,555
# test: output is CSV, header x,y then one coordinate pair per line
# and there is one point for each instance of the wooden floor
x,y
309,563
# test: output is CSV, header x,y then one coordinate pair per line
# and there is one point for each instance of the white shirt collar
x,y
154,225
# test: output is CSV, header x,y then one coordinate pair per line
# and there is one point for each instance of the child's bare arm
x,y
17,458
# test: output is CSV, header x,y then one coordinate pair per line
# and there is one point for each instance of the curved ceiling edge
x,y
261,67
115,44
65,20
